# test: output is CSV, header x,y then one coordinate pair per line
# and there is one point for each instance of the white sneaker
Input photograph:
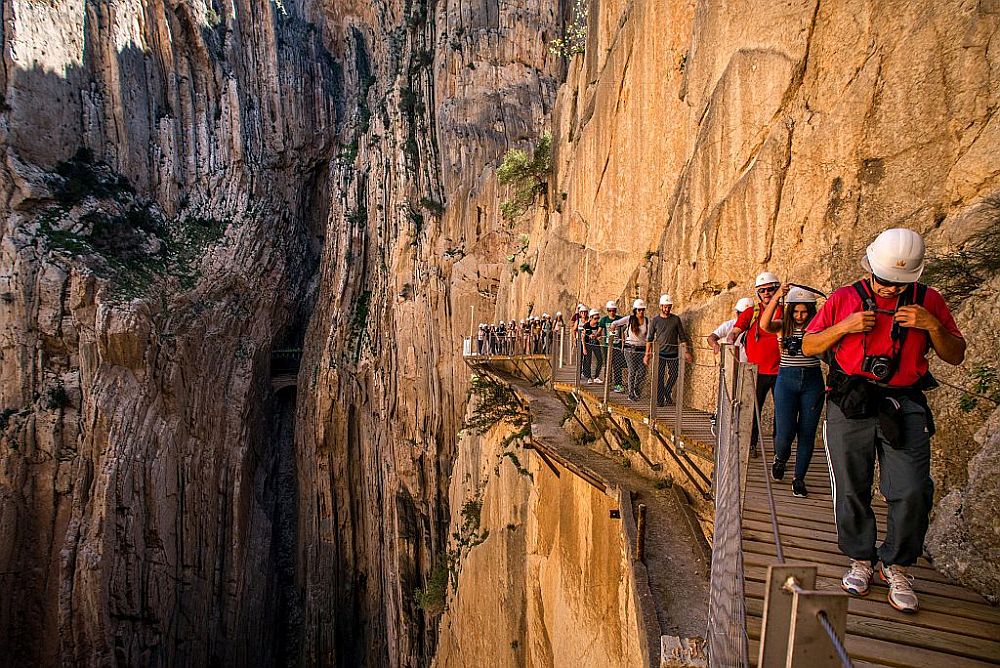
x,y
857,580
598,381
590,381
901,594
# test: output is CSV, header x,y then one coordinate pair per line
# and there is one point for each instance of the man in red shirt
x,y
761,346
880,330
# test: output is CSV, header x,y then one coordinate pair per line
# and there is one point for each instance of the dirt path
x,y
677,557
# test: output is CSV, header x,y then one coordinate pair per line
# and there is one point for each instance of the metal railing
x,y
728,644
796,616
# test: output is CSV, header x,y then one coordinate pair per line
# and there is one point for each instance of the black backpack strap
x,y
867,300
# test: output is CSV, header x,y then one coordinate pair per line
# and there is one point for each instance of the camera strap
x,y
913,294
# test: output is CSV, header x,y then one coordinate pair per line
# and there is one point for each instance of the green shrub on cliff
x,y
431,597
495,402
525,175
574,40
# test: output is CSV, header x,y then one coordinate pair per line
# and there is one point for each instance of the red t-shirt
x,y
851,349
761,347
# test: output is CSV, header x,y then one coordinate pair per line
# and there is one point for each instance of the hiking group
x,y
874,335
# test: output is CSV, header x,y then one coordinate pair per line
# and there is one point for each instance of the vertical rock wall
x,y
141,517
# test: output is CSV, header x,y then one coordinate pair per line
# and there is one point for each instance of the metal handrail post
x,y
552,365
578,345
654,367
562,344
609,352
679,385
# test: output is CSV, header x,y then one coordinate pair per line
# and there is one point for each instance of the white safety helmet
x,y
800,296
665,300
558,314
545,316
637,304
581,307
896,255
594,312
766,278
743,304
611,306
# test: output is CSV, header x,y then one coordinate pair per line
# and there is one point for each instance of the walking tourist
x,y
724,331
635,326
880,330
616,356
665,334
593,357
761,347
798,392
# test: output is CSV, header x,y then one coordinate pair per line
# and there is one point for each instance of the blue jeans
x,y
798,401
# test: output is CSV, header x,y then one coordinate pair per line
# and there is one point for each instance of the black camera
x,y
880,366
793,345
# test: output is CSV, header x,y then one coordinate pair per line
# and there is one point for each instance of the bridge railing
x,y
728,643
802,627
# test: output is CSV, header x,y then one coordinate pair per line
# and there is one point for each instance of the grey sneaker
x,y
901,594
857,580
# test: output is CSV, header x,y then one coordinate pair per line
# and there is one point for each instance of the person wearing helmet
x,y
481,338
593,353
635,326
546,333
617,355
576,326
878,332
723,332
798,392
761,346
666,333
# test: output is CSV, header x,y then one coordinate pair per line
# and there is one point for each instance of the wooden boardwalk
x,y
955,627
696,426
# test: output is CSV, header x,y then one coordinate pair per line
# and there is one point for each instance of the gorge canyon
x,y
191,189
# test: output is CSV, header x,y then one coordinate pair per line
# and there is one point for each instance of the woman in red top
x,y
761,346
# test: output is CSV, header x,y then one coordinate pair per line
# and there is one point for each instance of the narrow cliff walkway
x,y
677,558
954,627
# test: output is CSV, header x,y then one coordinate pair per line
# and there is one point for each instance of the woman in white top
x,y
798,392
635,346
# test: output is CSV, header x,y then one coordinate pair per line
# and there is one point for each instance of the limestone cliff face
x,y
542,577
700,143
144,495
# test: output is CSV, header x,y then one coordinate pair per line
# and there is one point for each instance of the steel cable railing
x,y
728,644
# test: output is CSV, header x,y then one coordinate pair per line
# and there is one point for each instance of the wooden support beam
x,y
640,534
775,629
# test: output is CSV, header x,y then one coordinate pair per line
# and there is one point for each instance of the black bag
x,y
853,395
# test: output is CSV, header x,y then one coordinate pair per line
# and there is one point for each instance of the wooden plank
x,y
890,653
793,553
943,604
879,608
905,632
835,571
809,541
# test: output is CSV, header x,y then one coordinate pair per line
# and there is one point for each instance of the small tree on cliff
x,y
525,175
574,40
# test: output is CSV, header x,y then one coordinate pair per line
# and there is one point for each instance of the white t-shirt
x,y
724,332
630,337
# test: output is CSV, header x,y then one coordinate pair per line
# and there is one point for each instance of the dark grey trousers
x,y
852,447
